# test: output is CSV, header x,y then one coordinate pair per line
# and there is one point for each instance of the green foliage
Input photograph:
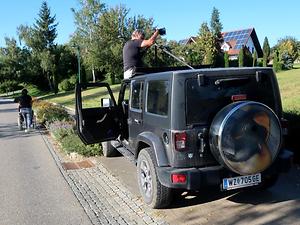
x,y
206,45
64,133
287,61
288,45
47,112
66,85
9,86
254,59
277,65
215,23
266,51
241,58
61,129
72,143
40,40
226,59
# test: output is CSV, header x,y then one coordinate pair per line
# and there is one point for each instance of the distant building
x,y
235,40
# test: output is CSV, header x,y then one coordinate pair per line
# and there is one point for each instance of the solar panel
x,y
240,37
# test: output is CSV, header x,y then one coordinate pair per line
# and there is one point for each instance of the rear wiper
x,y
232,81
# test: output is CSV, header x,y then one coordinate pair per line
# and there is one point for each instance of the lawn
x,y
289,85
91,97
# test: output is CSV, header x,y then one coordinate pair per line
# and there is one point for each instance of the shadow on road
x,y
6,101
11,131
290,183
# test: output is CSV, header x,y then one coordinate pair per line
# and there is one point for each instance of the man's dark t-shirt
x,y
24,101
132,54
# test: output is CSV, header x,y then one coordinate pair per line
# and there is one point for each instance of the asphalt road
x,y
32,189
279,205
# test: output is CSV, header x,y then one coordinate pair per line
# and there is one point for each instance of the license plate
x,y
241,181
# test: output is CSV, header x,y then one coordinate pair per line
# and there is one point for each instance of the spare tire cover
x,y
245,137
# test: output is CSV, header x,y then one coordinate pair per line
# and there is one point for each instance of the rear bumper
x,y
198,178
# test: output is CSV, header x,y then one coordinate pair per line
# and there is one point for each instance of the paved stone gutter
x,y
104,198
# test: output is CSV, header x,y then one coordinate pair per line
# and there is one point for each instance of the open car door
x,y
96,118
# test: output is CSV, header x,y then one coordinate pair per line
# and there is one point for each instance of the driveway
x,y
279,205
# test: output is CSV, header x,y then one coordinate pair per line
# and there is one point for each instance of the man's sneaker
x,y
26,130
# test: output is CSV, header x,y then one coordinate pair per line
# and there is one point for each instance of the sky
x,y
182,19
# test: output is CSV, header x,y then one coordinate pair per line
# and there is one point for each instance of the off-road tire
x,y
109,150
159,196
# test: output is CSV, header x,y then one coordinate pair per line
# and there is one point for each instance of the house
x,y
235,40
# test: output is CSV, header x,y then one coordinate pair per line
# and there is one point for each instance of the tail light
x,y
180,141
240,97
284,126
178,178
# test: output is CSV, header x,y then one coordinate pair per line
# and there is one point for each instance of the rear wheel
x,y
153,192
109,150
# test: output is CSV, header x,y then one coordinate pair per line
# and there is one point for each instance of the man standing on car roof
x,y
134,50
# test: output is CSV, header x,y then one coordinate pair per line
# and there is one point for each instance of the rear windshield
x,y
203,102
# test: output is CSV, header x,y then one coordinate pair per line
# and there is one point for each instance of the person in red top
x,y
134,50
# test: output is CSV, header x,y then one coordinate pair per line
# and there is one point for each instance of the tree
x,y
254,57
288,45
241,57
215,24
277,65
206,45
226,59
40,40
86,34
266,52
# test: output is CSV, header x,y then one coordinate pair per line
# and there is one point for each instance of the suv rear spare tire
x,y
245,137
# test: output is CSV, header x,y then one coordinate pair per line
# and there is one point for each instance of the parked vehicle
x,y
191,129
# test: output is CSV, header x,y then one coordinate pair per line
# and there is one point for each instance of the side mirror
x,y
106,102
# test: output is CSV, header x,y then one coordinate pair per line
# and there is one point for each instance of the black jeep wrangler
x,y
191,129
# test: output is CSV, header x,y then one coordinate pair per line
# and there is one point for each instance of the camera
x,y
162,31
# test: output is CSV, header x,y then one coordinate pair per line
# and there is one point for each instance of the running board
x,y
124,151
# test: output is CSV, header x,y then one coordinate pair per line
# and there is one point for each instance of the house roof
x,y
235,39
239,38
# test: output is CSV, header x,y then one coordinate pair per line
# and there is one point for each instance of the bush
x,y
47,112
66,85
61,129
72,143
9,85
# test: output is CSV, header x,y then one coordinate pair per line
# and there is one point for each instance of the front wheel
x,y
153,192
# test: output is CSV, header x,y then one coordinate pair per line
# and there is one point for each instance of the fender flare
x,y
156,145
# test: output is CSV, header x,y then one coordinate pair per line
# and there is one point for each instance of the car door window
x,y
158,97
136,95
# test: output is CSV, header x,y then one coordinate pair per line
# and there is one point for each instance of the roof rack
x,y
146,70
